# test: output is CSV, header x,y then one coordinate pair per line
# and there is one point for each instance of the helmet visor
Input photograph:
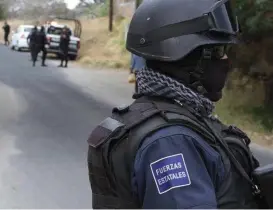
x,y
224,20
219,18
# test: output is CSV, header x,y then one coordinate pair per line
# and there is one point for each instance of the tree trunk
x,y
111,13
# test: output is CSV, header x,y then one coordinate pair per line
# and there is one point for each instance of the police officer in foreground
x,y
167,150
42,42
64,46
33,41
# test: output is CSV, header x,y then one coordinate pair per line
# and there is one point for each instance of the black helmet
x,y
168,30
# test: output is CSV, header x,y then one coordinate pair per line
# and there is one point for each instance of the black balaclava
x,y
214,78
207,77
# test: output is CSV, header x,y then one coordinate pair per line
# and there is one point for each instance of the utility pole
x,y
111,13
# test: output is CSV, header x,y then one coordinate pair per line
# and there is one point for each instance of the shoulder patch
x,y
170,172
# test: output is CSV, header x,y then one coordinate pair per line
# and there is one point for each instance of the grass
x,y
244,107
103,48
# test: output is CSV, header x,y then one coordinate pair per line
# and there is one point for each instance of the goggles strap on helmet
x,y
198,73
206,54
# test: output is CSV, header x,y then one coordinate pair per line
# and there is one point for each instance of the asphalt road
x,y
45,120
46,115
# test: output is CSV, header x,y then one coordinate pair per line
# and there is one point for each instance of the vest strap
x,y
234,161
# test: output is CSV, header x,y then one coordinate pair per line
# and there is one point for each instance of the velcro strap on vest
x,y
103,131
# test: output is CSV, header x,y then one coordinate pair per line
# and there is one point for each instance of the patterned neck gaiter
x,y
152,83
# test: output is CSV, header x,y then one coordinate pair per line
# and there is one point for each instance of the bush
x,y
255,17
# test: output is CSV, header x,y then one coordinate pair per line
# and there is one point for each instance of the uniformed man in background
x,y
33,41
6,29
64,46
42,42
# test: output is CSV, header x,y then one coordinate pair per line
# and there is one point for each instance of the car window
x,y
55,30
28,29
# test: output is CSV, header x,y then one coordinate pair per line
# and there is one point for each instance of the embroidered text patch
x,y
170,172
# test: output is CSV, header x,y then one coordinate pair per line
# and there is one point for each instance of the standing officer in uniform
x,y
33,41
167,150
64,46
42,42
6,29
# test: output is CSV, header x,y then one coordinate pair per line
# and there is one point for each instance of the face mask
x,y
214,78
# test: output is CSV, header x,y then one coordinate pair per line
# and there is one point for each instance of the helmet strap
x,y
206,54
198,73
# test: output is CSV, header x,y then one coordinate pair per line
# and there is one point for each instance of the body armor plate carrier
x,y
114,143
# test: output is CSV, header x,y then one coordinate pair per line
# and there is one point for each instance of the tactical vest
x,y
114,143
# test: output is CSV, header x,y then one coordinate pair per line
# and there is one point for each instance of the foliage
x,y
96,9
103,9
255,17
2,12
253,56
35,9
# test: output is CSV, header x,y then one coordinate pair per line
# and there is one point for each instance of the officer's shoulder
x,y
175,139
175,130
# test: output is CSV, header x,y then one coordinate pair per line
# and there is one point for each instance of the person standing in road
x,y
167,150
64,46
42,42
6,29
33,42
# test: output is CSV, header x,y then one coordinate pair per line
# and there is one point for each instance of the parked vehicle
x,y
19,37
53,32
